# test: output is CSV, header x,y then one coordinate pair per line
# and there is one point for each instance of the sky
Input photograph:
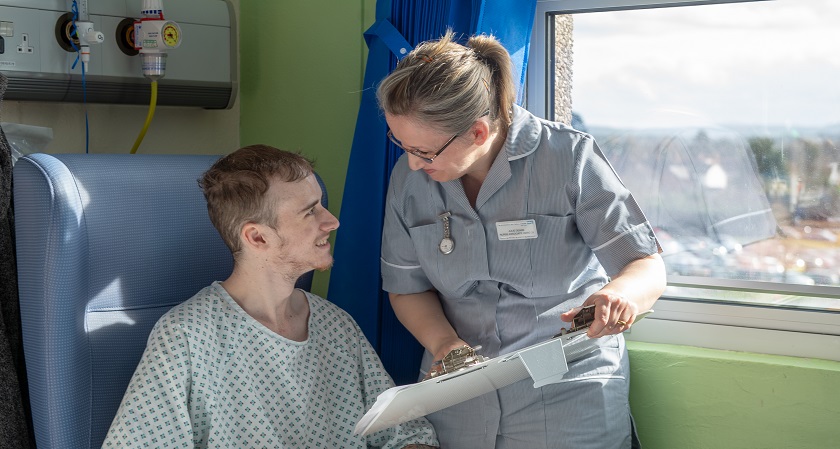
x,y
765,64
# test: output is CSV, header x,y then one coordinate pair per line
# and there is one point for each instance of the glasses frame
x,y
415,153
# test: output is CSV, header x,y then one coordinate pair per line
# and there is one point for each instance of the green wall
x,y
301,69
686,397
302,63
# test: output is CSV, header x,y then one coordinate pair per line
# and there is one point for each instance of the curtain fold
x,y
355,283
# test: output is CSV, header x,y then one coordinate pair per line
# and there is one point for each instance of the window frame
x,y
701,322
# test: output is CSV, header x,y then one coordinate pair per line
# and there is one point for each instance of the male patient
x,y
251,362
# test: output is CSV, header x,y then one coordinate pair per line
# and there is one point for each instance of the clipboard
x,y
545,363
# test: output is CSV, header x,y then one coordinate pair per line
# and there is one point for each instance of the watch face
x,y
446,246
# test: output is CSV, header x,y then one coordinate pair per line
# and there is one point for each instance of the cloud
x,y
767,63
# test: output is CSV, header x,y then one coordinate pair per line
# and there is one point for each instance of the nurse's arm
x,y
422,315
633,290
641,281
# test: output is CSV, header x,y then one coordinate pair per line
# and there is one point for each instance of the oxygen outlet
x,y
65,34
125,37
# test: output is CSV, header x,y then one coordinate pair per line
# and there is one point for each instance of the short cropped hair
x,y
235,188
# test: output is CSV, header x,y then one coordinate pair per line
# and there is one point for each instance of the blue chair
x,y
106,243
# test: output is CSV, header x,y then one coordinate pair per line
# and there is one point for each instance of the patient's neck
x,y
272,300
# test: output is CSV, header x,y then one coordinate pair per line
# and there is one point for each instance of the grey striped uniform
x,y
508,294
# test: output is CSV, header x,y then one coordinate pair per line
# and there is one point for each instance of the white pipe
x,y
152,7
84,15
85,32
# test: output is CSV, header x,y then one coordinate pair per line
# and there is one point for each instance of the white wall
x,y
114,128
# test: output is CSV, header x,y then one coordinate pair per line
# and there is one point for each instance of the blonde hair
x,y
449,85
236,185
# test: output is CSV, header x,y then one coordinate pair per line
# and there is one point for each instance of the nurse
x,y
499,227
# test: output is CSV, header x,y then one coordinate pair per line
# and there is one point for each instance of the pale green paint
x,y
301,66
687,397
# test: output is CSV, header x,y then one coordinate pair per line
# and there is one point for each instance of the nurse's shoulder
x,y
404,180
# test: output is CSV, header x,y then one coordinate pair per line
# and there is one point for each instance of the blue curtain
x,y
355,283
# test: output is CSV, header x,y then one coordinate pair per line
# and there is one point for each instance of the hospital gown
x,y
212,376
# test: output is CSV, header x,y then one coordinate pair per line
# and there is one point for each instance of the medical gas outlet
x,y
153,37
77,35
87,36
75,31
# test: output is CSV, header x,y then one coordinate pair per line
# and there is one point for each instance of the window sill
x,y
762,330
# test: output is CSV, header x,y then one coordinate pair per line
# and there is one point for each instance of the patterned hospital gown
x,y
212,376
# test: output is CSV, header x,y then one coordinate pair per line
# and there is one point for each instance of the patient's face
x,y
303,227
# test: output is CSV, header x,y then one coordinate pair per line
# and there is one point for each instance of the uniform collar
x,y
523,135
522,139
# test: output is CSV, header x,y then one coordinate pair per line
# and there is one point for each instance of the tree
x,y
769,160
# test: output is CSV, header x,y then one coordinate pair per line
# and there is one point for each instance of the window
x,y
722,119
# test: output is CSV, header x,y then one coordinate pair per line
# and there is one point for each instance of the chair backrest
x,y
105,245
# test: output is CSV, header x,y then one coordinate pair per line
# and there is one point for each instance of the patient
x,y
251,361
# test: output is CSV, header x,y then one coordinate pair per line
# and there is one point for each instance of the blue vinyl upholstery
x,y
106,243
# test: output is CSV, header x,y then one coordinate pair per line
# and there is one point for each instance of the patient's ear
x,y
252,236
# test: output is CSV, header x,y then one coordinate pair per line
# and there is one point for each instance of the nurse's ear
x,y
480,131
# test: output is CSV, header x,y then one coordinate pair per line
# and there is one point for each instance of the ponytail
x,y
450,85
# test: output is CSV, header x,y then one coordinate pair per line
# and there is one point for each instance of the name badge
x,y
516,230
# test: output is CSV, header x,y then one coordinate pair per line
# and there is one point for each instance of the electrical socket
x,y
24,46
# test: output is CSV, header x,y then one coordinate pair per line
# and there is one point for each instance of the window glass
x,y
724,122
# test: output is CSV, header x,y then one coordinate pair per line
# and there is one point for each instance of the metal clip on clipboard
x,y
544,363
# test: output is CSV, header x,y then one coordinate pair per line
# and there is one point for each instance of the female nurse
x,y
499,227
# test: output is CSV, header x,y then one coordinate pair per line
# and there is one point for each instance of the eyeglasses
x,y
418,153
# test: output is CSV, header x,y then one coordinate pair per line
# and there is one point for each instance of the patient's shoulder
x,y
332,320
202,310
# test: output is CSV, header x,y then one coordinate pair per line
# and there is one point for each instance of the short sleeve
x,y
154,411
608,217
401,270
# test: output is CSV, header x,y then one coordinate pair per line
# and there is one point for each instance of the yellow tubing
x,y
149,117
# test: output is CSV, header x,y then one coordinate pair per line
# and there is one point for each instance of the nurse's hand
x,y
444,349
614,313
635,288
